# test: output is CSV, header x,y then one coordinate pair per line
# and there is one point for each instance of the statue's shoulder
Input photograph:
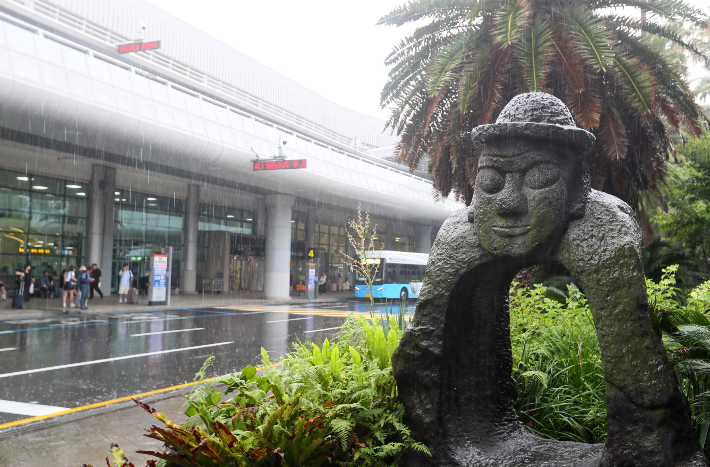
x,y
608,225
602,205
457,226
457,238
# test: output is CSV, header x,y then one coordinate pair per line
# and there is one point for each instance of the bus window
x,y
378,277
417,273
403,273
391,274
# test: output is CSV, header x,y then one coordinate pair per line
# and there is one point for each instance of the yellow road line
x,y
114,401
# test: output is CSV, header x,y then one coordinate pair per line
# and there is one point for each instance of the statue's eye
x,y
489,180
542,176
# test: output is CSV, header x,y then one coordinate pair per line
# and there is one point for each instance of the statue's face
x,y
521,197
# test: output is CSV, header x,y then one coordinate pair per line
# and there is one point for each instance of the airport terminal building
x,y
108,157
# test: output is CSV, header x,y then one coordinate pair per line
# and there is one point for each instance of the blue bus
x,y
400,275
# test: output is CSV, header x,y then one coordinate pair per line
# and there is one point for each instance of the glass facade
x,y
403,244
143,225
330,241
217,218
42,223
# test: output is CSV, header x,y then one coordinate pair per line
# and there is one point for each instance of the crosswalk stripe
x,y
23,408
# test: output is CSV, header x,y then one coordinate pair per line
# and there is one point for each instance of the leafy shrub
x,y
335,404
558,384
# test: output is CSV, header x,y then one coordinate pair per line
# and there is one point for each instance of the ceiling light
x,y
81,194
116,192
229,215
152,199
38,187
152,204
124,199
249,219
74,186
23,179
117,199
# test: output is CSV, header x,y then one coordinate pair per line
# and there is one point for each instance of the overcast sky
x,y
331,47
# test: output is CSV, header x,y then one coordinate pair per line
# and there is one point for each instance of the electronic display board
x,y
138,46
279,164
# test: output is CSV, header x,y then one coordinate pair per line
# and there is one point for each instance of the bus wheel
x,y
403,295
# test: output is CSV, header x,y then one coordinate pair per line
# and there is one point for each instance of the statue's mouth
x,y
511,231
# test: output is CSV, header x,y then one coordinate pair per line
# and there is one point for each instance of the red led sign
x,y
278,165
138,46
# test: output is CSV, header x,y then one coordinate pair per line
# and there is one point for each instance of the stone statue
x,y
533,204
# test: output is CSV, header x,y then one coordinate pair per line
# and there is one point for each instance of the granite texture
x,y
532,204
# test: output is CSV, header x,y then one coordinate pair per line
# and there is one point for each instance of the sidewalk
x,y
42,307
85,439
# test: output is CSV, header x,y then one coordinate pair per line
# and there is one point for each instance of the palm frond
x,y
533,51
671,32
444,66
590,39
612,134
421,9
490,88
638,88
668,10
510,23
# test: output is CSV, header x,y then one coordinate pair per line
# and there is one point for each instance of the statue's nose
x,y
511,200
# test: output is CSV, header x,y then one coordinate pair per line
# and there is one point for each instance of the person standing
x,y
69,287
26,276
46,285
124,284
322,283
95,281
84,282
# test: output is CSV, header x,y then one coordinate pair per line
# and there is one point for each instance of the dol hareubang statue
x,y
533,204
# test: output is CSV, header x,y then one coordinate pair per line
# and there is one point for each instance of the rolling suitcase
x,y
133,295
18,300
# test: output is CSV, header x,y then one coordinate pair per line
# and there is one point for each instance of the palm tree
x,y
471,57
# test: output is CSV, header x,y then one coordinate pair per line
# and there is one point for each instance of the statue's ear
x,y
579,195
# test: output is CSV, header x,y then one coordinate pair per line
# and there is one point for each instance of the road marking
x,y
33,410
88,323
305,332
9,348
114,401
165,332
104,360
283,320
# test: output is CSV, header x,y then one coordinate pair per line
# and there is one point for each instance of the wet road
x,y
52,364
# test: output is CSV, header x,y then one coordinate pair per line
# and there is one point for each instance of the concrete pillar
x,y
389,236
100,222
423,240
278,245
260,218
188,272
218,257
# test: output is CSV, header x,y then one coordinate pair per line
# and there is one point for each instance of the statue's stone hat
x,y
535,115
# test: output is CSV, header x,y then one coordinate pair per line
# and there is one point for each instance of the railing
x,y
77,23
82,25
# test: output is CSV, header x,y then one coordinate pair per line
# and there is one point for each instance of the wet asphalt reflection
x,y
55,363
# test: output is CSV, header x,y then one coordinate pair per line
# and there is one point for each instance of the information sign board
x,y
138,46
279,164
157,291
